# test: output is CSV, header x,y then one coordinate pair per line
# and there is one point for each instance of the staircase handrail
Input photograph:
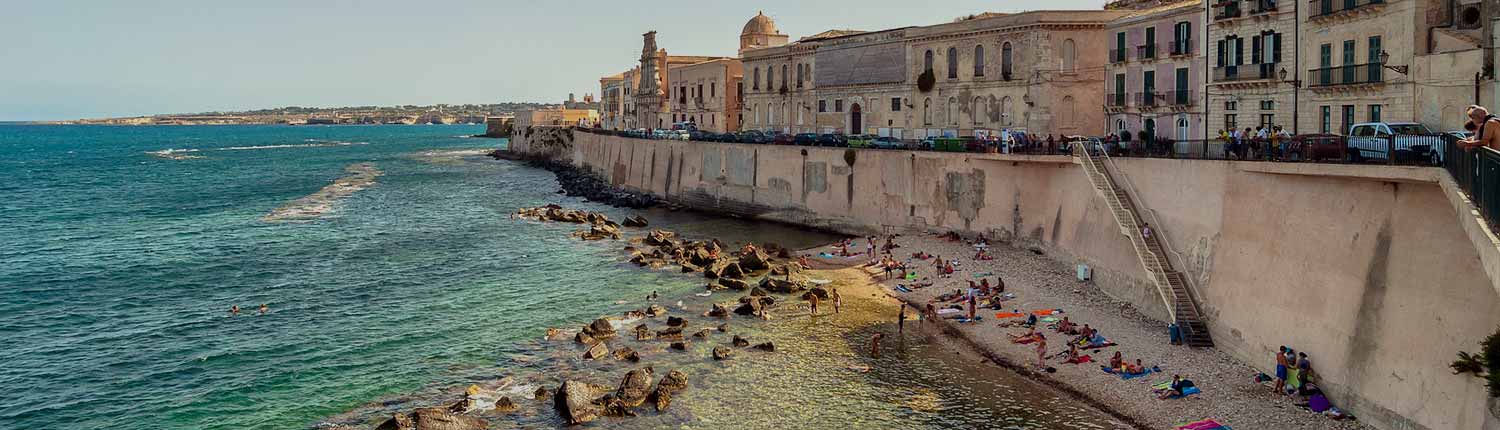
x,y
1142,251
1163,239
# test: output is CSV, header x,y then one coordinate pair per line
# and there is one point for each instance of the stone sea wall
x,y
1373,279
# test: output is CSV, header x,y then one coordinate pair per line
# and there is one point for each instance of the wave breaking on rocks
x,y
356,177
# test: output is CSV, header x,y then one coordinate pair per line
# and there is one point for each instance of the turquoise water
x,y
118,263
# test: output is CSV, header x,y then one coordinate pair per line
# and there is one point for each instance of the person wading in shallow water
x,y
875,344
264,308
234,310
837,300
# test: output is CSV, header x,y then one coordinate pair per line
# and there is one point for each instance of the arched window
x,y
756,85
1068,54
1006,118
755,111
784,79
1005,65
1066,113
927,109
800,71
770,78
976,113
927,61
952,63
979,60
952,111
770,114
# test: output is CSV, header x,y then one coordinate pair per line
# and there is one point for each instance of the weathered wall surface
x,y
1372,279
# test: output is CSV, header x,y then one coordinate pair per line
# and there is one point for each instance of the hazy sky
x,y
62,59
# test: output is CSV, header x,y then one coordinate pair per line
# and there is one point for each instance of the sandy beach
x,y
1229,391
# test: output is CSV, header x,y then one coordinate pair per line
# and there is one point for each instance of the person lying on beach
x,y
1066,326
922,255
1030,336
1084,334
982,255
948,269
802,260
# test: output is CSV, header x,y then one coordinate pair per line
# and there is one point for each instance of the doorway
x,y
856,123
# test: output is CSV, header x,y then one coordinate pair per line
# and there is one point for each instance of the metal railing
x,y
1147,99
1227,10
1408,150
1245,72
1117,55
1182,47
1258,7
1181,97
1477,172
1115,99
1368,73
1321,8
1146,52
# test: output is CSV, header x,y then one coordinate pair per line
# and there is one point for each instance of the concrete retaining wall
x,y
1372,279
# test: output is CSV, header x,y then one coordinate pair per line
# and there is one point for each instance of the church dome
x,y
760,24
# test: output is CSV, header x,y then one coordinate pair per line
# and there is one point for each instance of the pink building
x,y
1154,79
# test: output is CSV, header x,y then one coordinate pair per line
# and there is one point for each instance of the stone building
x,y
612,101
650,100
1038,72
1153,85
1251,43
706,95
1392,60
555,116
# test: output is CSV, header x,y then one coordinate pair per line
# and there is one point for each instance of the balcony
x,y
1245,72
1180,98
1261,7
1117,55
1353,74
1115,100
1182,47
1229,9
1147,99
1145,52
1324,8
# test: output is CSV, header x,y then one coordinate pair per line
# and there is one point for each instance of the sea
x,y
123,249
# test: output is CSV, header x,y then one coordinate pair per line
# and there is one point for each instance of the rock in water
x,y
701,334
674,380
721,352
758,291
541,394
644,333
755,261
676,322
734,284
655,311
634,387
634,221
635,314
661,398
600,329
584,338
680,346
816,291
596,352
612,406
671,333
732,270
439,419
767,347
723,327
719,310
575,401
397,422
627,354
740,341
505,406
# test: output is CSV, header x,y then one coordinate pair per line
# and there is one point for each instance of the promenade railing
x,y
1477,172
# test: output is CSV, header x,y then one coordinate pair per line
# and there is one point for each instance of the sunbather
x,y
1066,326
1135,369
1177,389
1117,361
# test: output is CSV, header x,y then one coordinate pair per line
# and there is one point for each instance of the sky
x,y
70,59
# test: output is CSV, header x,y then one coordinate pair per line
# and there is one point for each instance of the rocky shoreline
x,y
579,183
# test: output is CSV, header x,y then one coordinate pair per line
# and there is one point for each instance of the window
x,y
1275,47
1182,34
784,75
1267,105
1255,50
822,106
1347,117
1374,48
756,85
712,89
895,104
1119,89
1150,38
1267,120
1326,123
1348,52
1231,121
1005,61
952,111
1068,55
952,63
927,61
838,105
1231,105
770,78
1374,113
700,91
979,60
799,75
927,110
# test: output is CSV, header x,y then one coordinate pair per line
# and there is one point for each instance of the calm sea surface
x,y
122,248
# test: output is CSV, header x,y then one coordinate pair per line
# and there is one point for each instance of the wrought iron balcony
x,y
1322,8
1228,9
1258,7
1245,72
1116,100
1147,98
1145,52
1353,74
1182,47
1181,97
1117,55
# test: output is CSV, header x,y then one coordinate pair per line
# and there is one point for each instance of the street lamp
x,y
1296,104
1386,57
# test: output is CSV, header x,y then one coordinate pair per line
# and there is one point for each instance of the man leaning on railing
x,y
1486,132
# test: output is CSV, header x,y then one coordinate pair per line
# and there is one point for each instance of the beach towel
x,y
1128,376
1203,425
1004,315
1318,403
949,311
1050,320
911,276
902,288
1081,359
1045,312
825,255
981,275
820,281
977,318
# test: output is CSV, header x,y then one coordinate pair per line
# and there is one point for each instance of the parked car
x,y
1412,142
888,142
805,139
681,135
1317,147
751,136
861,141
783,139
832,139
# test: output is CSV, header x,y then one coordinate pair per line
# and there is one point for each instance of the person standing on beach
x,y
1041,351
870,246
813,299
972,302
1281,366
901,321
875,344
931,311
1304,367
837,300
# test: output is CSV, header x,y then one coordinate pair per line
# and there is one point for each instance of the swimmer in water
x,y
264,308
234,310
875,344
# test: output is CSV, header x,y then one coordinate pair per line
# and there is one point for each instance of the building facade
x,y
1253,47
1153,84
705,95
557,117
1037,72
611,101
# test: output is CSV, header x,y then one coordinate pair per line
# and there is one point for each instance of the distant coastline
x,y
444,114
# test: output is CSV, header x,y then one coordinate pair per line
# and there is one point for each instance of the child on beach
x,y
1041,351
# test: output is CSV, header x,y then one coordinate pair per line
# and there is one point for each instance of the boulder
x,y
734,284
723,328
655,311
758,291
635,314
634,387
659,237
612,406
584,338
598,351
820,292
397,422
575,401
732,270
721,352
776,250
679,345
670,334
719,310
740,342
786,269
749,308
505,406
755,260
767,347
673,380
676,322
433,419
701,334
700,256
634,221
600,329
556,334
689,267
627,354
661,398
781,286
542,394
644,333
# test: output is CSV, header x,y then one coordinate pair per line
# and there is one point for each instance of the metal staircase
x,y
1171,284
